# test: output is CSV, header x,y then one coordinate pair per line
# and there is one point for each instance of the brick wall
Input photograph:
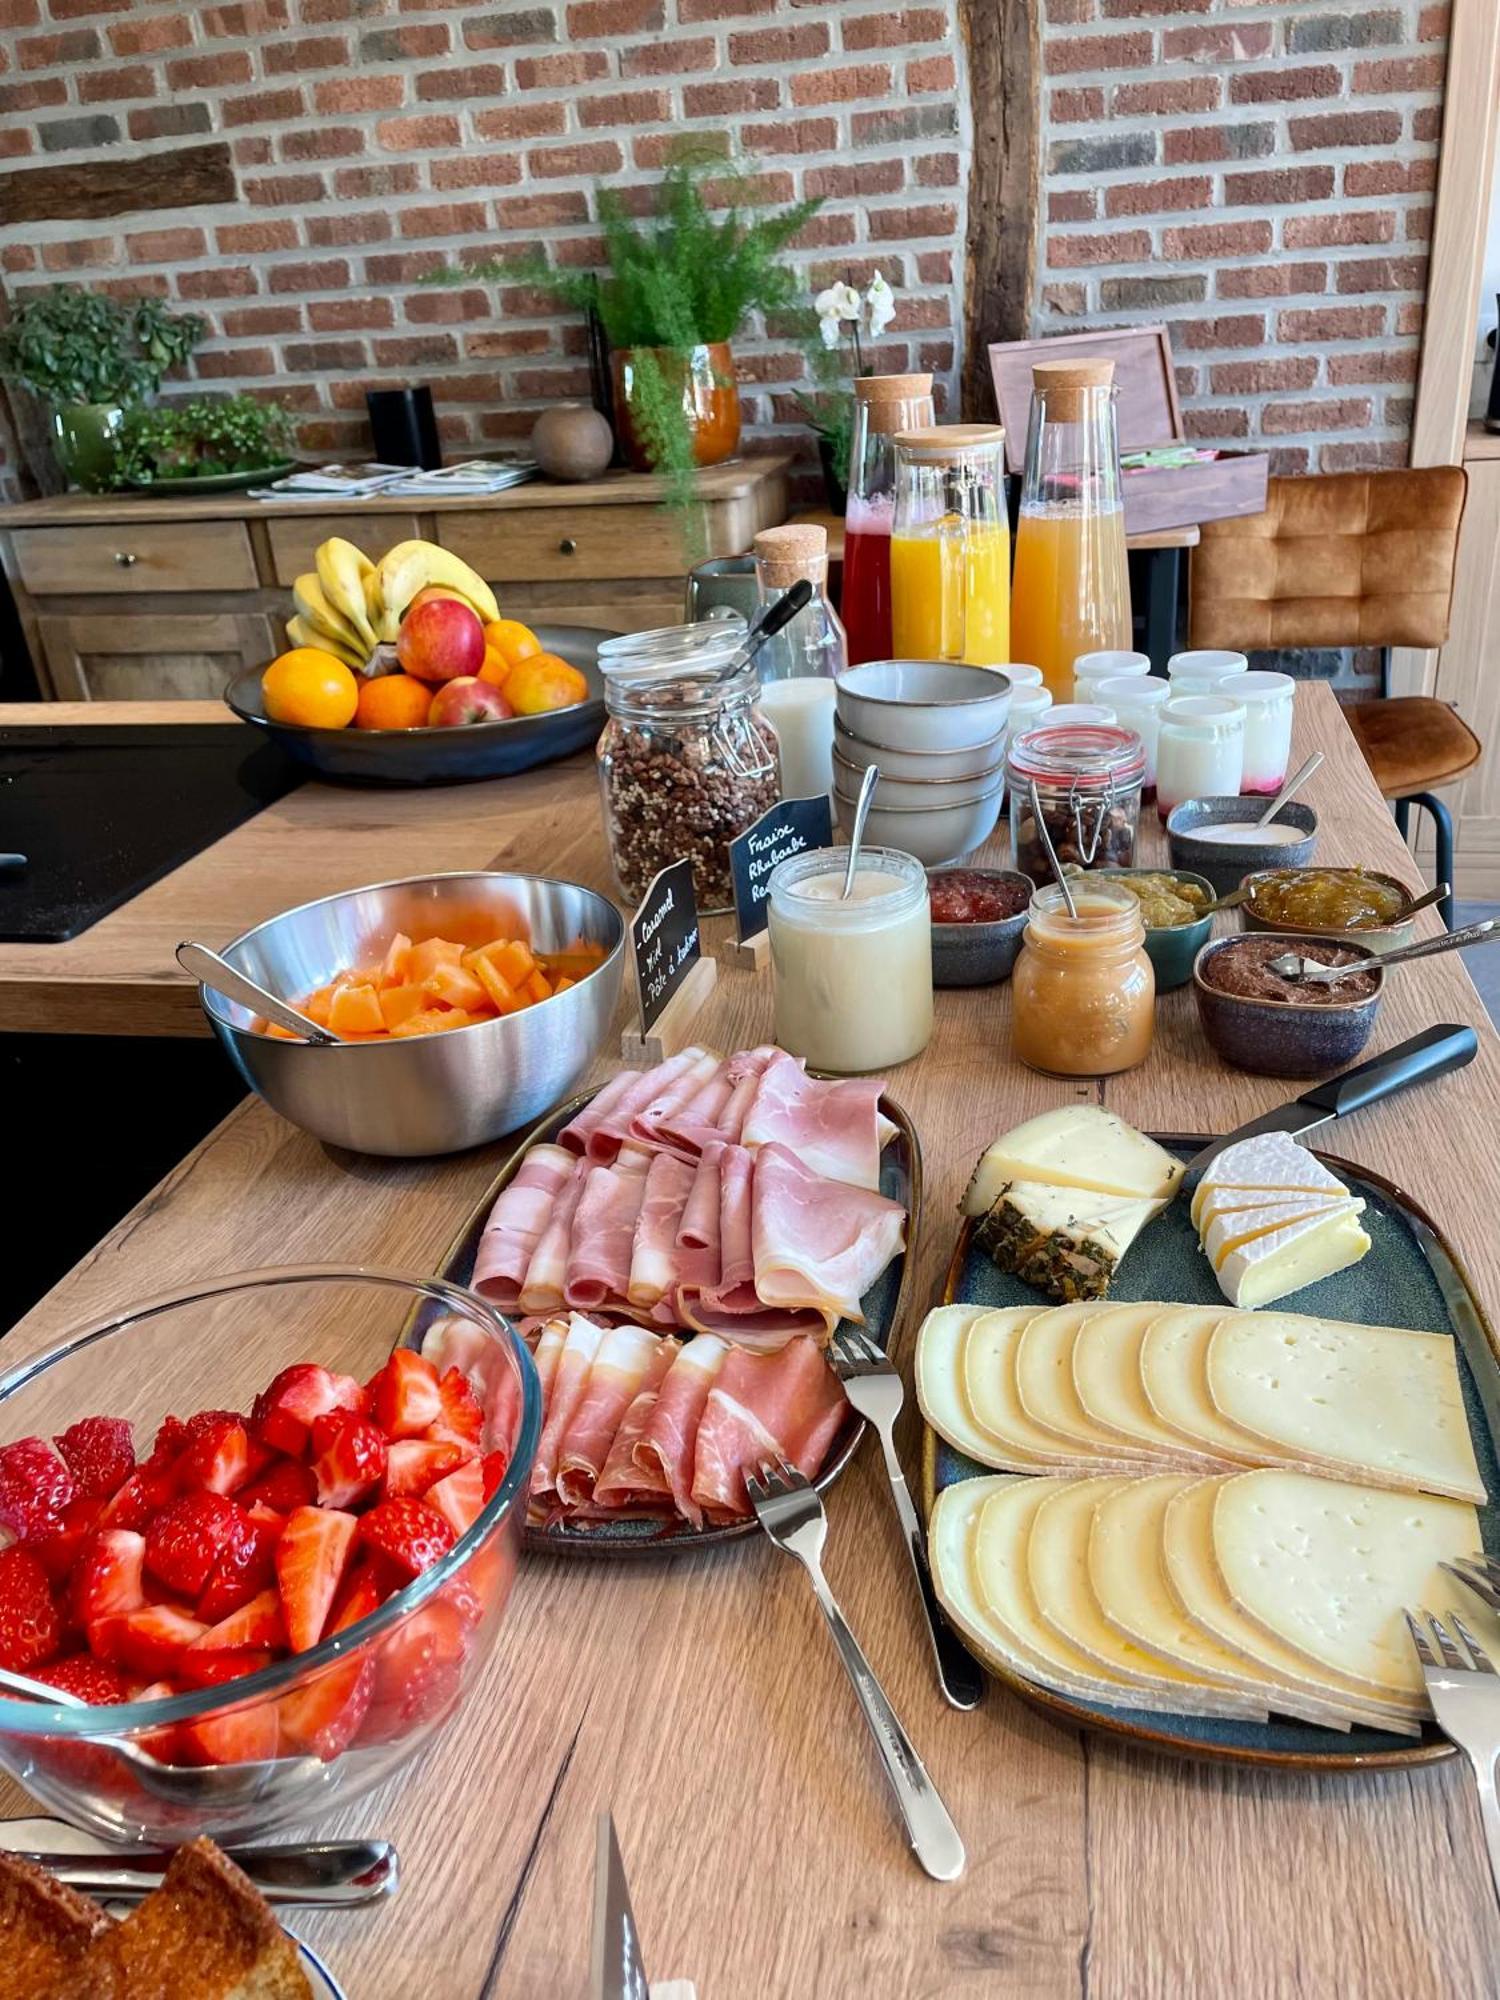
x,y
374,140
1260,177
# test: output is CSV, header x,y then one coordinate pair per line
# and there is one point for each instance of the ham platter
x,y
677,1247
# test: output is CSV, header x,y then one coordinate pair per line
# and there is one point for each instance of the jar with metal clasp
x,y
1088,779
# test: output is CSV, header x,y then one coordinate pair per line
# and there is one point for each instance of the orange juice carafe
x,y
1071,591
950,547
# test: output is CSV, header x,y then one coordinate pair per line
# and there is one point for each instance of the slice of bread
x,y
47,1929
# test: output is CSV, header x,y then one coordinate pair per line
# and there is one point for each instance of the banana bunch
x,y
348,606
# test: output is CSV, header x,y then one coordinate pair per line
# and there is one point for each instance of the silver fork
x,y
1465,1693
791,1513
875,1390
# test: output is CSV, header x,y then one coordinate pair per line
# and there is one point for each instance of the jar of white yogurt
x,y
853,976
1200,750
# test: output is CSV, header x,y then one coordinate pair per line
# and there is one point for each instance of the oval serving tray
x,y
653,1535
1393,1285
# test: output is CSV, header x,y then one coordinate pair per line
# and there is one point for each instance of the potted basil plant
x,y
89,358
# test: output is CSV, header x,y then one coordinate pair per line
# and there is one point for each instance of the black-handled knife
x,y
1434,1053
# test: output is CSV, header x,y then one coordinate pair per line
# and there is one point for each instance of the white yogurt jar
x,y
853,978
1096,714
1091,668
1138,700
1268,701
1200,750
1201,672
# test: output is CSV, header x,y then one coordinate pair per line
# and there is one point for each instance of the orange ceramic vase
x,y
710,399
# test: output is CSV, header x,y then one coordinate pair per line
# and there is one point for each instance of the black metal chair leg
x,y
1403,817
1442,833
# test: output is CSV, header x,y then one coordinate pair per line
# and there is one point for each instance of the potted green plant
x,y
679,287
835,354
211,437
89,358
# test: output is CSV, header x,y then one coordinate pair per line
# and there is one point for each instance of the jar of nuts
x,y
1088,780
685,762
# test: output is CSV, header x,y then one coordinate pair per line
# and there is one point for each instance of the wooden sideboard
x,y
126,597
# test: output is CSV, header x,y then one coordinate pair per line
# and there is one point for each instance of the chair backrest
x,y
1336,559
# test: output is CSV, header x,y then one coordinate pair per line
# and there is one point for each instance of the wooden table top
x,y
700,1700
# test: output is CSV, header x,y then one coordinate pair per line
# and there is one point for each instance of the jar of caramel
x,y
1083,994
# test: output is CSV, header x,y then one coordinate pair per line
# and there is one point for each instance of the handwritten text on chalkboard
x,y
789,827
664,939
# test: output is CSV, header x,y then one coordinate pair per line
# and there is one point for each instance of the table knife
x,y
618,1971
333,1875
1433,1053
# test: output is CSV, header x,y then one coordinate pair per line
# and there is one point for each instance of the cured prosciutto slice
x,y
833,1128
763,1406
625,1360
546,1353
667,1447
516,1222
818,1243
603,1231
654,1268
569,1381
542,1291
624,1481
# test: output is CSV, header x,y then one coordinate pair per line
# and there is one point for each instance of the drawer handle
x,y
567,546
125,559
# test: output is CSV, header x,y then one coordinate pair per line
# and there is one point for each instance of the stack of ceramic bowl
x,y
937,732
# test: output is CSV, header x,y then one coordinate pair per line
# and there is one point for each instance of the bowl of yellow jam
x,y
1354,905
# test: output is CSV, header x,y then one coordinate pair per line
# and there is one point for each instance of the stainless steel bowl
x,y
423,1094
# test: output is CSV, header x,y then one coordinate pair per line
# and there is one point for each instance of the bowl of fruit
x,y
464,1004
264,1534
403,672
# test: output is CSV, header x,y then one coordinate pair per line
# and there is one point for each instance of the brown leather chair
x,y
1352,559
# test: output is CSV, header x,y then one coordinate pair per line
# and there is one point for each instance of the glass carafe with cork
x,y
1071,590
950,551
798,664
883,405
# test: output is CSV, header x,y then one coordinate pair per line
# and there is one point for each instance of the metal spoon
x,y
867,786
1293,784
218,973
1051,852
1292,965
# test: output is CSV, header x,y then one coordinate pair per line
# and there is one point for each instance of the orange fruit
x,y
544,682
393,701
512,640
309,686
496,668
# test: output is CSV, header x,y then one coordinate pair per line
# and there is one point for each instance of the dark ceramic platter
x,y
455,756
653,1535
1392,1286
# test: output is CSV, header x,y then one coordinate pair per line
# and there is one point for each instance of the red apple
x,y
441,640
467,700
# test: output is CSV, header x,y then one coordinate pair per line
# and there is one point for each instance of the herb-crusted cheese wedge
x,y
1066,1242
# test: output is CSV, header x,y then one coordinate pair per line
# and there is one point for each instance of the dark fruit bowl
x,y
1279,1037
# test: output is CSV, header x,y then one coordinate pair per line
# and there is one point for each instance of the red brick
x,y
251,150
80,253
14,141
210,72
1384,455
404,269
932,73
561,72
477,80
1279,85
326,275
337,232
1393,74
1339,413
17,257
1254,378
1345,128
541,120
73,10
1193,144
240,238
475,171
483,388
1274,280
1130,246
838,86
166,246
497,343
454,218
1363,177
344,315
1427,123
264,107
1065,56
722,10
1238,44
359,93
281,58
1432,23
897,29
76,45
937,170
247,17
1330,323
900,224
1278,184
262,319
445,308
1158,197
1216,239
1290,462
34,94
414,135
1382,274
588,19
1409,317
1215,423
1418,225
412,42
628,107
234,362
111,86
1390,365
169,121
508,26
801,135
377,183
322,142
825,231
308,356
1242,330
727,100
1363,225
284,190
598,156
791,44
234,281
1081,106
1072,205
859,177
20,14
541,211
1165,96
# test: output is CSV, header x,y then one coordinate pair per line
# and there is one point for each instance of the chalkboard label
x,y
664,939
790,827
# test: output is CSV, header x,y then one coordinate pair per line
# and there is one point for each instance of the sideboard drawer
x,y
553,544
294,541
135,557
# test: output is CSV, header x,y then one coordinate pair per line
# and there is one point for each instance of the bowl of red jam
x,y
978,917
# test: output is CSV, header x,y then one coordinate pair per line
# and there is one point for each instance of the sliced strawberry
x,y
172,1438
460,1497
284,1414
110,1583
258,1623
148,1489
220,1458
100,1454
409,1532
311,1558
414,1464
90,1679
152,1640
369,1583
30,1625
244,1568
240,1736
59,1553
349,1458
284,1485
211,1666
321,1717
494,1466
35,1486
461,1418
407,1397
418,1670
187,1538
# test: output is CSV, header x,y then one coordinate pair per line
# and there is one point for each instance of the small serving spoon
x,y
1292,965
1292,786
207,966
867,786
1051,852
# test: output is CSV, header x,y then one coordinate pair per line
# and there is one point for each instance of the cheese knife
x,y
1435,1052
617,1970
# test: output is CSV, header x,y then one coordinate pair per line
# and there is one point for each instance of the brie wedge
x,y
1270,1161
1268,1267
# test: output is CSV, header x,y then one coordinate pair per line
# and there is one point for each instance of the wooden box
x,y
1230,482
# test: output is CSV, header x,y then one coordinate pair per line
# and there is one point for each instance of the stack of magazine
x,y
399,482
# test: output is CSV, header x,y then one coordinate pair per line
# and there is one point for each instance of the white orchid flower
x,y
829,327
882,305
839,302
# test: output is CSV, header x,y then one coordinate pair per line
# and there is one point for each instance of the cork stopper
x,y
943,444
1063,383
785,555
888,400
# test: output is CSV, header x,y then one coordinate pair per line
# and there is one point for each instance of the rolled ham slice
x,y
546,1353
574,1137
626,1358
542,1290
763,1407
696,1124
623,1481
818,1244
569,1382
667,1446
833,1128
649,1126
602,1127
654,1265
516,1222
744,1071
603,1233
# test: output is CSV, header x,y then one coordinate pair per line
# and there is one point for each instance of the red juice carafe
x,y
883,405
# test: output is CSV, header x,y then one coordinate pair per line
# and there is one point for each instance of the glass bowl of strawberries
x,y
259,1537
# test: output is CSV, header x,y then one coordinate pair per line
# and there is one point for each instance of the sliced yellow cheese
x,y
937,1370
1375,1403
1045,1388
1291,1258
1107,1377
1174,1376
1269,1160
1075,1146
1230,1231
1326,1567
987,1388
